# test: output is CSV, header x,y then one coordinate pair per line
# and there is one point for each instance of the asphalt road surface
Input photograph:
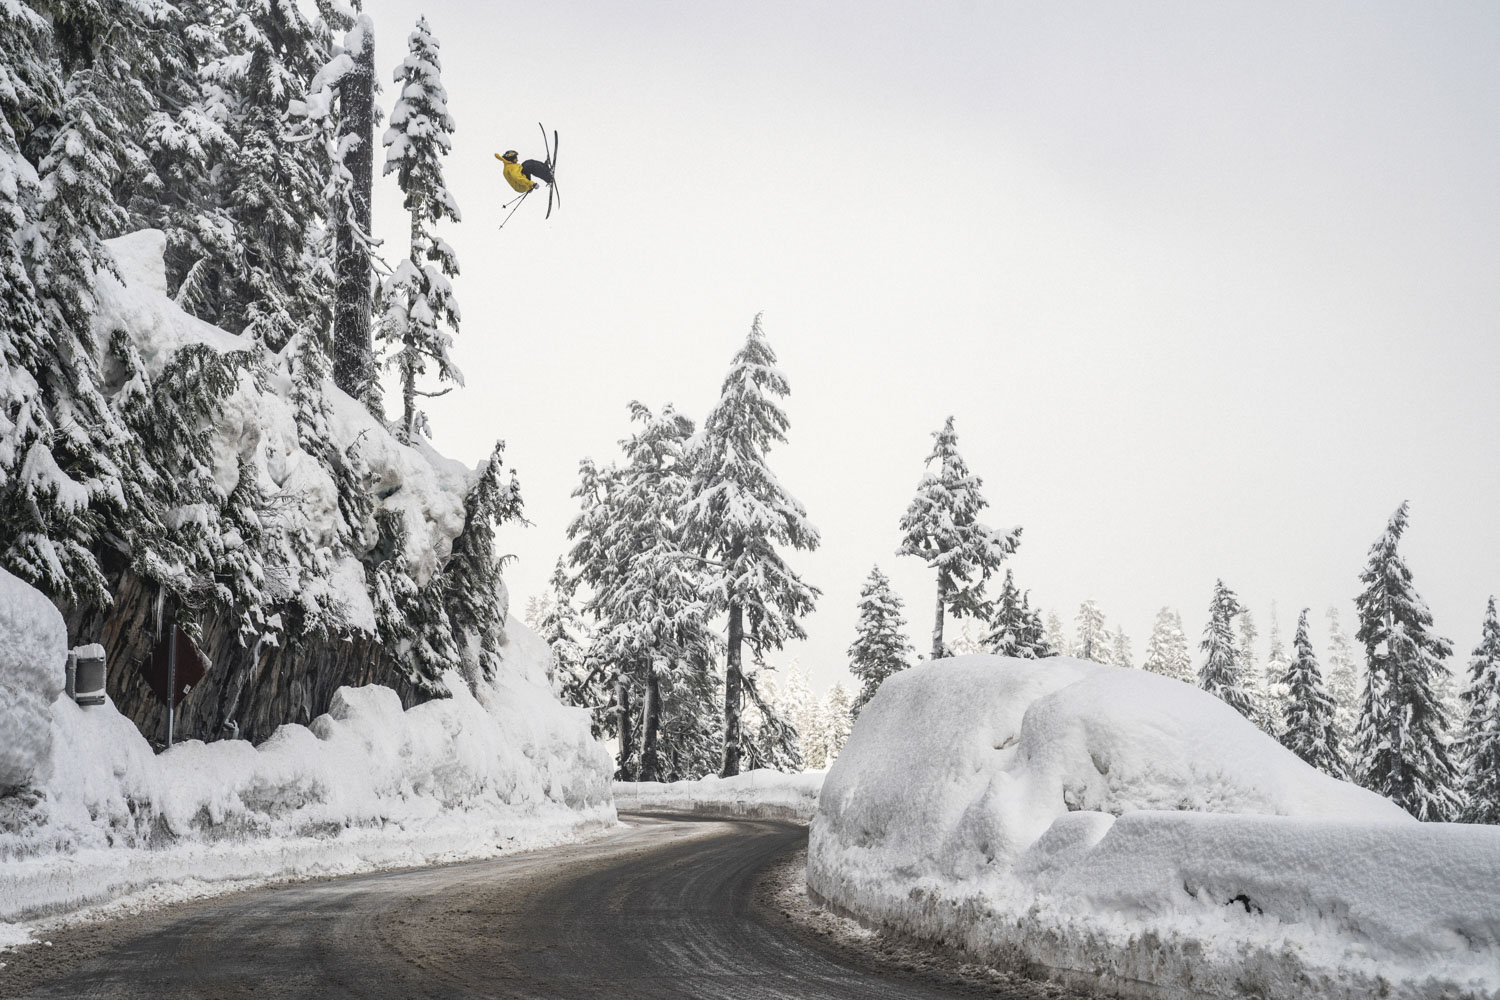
x,y
665,908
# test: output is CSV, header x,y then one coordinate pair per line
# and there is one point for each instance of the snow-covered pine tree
x,y
736,516
554,617
1057,636
1093,638
76,470
941,526
1034,635
1222,671
418,296
964,643
1250,670
1015,630
652,633
37,514
771,738
277,283
795,699
1342,679
1276,656
353,171
1166,651
471,578
1479,744
1308,728
838,720
1400,746
880,647
1119,648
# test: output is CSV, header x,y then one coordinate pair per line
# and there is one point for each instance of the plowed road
x,y
665,908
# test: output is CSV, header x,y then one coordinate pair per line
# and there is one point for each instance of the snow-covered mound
x,y
33,649
1080,819
759,794
365,785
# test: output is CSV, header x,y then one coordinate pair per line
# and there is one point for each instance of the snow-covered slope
x,y
1083,819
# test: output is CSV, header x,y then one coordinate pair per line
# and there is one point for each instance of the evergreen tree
x,y
652,620
1119,649
418,296
737,515
838,720
471,578
941,526
1250,671
1166,651
880,647
1221,672
1402,752
1480,744
553,617
353,170
1343,684
1309,730
1276,657
1093,638
1015,629
272,184
1057,637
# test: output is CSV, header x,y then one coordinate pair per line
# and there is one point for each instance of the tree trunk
x,y
733,691
627,738
650,769
353,351
937,623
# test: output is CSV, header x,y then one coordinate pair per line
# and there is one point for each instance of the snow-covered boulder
x,y
33,656
1069,816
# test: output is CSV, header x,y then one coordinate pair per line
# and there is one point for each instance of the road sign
x,y
164,675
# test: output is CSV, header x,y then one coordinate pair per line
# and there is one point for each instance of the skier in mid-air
x,y
523,175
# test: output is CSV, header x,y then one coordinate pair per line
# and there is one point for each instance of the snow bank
x,y
760,794
1084,821
33,653
365,785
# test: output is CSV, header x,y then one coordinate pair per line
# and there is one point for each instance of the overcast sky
x,y
1210,289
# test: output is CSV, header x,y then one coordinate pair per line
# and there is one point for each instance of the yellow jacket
x,y
514,177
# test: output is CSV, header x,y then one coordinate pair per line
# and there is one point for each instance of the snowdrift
x,y
365,785
759,794
1086,821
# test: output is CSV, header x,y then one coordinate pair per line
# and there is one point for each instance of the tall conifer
x,y
738,513
1401,749
880,648
1222,671
942,527
1480,740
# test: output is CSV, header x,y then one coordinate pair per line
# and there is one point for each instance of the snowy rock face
x,y
33,655
1075,816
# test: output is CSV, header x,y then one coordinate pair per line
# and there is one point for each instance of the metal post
x,y
171,680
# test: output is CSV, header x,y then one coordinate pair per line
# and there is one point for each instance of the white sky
x,y
1210,288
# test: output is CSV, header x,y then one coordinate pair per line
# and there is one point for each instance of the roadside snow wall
x,y
1096,824
33,651
366,785
759,794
